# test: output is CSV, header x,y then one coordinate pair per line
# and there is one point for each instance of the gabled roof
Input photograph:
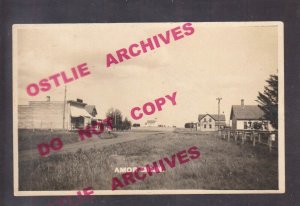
x,y
90,109
214,116
246,112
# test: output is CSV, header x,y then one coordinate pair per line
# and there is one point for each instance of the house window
x,y
210,126
204,125
209,119
204,119
250,125
245,125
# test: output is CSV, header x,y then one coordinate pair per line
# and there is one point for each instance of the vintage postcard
x,y
148,108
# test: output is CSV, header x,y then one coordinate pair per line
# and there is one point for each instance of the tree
x,y
126,124
268,100
116,118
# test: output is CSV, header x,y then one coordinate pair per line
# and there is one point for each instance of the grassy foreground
x,y
29,139
222,165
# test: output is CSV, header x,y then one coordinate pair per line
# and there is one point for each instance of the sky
x,y
231,61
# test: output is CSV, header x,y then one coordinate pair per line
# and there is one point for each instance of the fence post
x,y
271,137
235,136
228,133
253,139
243,137
259,138
270,143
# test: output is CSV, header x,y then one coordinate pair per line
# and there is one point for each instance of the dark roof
x,y
214,116
247,112
72,102
90,109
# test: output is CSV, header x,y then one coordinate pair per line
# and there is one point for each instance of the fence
x,y
269,138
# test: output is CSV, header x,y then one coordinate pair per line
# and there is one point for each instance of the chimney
x,y
79,100
48,99
242,102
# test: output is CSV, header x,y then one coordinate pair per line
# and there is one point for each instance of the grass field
x,y
29,139
222,165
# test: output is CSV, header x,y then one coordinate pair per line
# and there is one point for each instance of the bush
x,y
189,125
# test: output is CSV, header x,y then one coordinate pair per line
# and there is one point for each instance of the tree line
x,y
117,120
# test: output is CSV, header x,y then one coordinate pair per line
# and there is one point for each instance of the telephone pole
x,y
219,99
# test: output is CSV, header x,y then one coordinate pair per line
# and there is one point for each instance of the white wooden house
x,y
245,117
210,122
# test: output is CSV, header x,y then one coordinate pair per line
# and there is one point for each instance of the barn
x,y
248,117
49,114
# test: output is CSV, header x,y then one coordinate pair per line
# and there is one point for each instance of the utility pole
x,y
115,119
64,115
219,99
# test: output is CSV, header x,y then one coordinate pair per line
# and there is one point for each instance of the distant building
x,y
151,123
136,125
248,117
210,122
55,114
189,125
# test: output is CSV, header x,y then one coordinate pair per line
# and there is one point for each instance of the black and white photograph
x,y
148,108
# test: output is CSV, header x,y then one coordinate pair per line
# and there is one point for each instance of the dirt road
x,y
94,142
